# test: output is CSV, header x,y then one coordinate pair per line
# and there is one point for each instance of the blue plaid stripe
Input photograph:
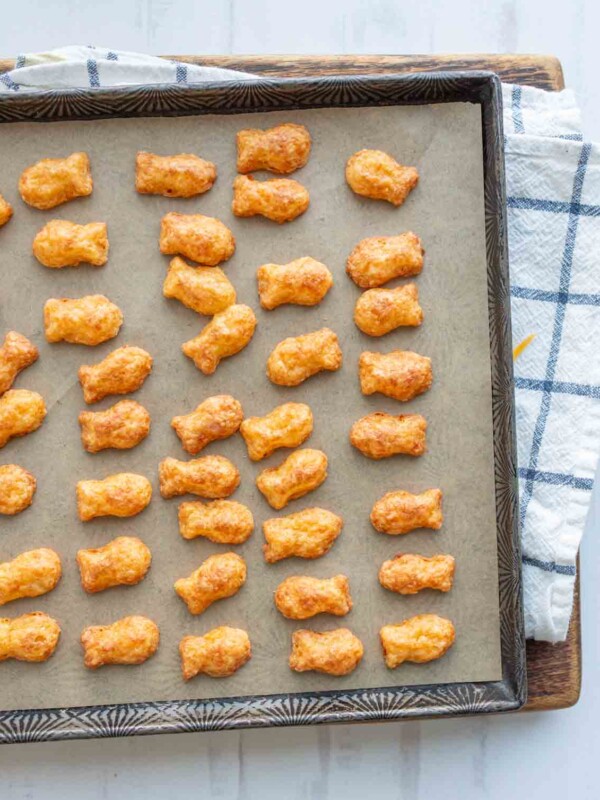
x,y
550,566
517,111
20,62
110,56
8,81
92,69
181,73
564,283
558,387
556,479
573,298
553,206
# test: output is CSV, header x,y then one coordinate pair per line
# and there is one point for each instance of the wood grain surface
x,y
543,71
553,671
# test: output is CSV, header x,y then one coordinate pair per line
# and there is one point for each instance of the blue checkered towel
x,y
85,66
553,186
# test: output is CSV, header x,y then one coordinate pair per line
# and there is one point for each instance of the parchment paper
x,y
447,211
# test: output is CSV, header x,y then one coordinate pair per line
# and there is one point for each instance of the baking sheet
x,y
447,211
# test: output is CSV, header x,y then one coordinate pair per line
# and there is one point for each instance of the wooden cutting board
x,y
553,671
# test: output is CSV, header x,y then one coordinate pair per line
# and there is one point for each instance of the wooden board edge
x,y
551,685
530,69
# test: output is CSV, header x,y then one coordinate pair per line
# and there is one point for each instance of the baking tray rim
x,y
337,706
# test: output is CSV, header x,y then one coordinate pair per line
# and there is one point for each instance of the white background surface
x,y
545,755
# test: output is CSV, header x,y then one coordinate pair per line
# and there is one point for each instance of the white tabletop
x,y
549,755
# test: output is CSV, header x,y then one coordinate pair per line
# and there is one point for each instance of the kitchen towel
x,y
553,197
553,191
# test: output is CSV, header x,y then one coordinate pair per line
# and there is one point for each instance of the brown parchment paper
x,y
447,211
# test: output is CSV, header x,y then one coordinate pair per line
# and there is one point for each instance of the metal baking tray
x,y
343,114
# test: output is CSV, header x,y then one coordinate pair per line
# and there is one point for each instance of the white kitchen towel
x,y
553,188
553,197
84,66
